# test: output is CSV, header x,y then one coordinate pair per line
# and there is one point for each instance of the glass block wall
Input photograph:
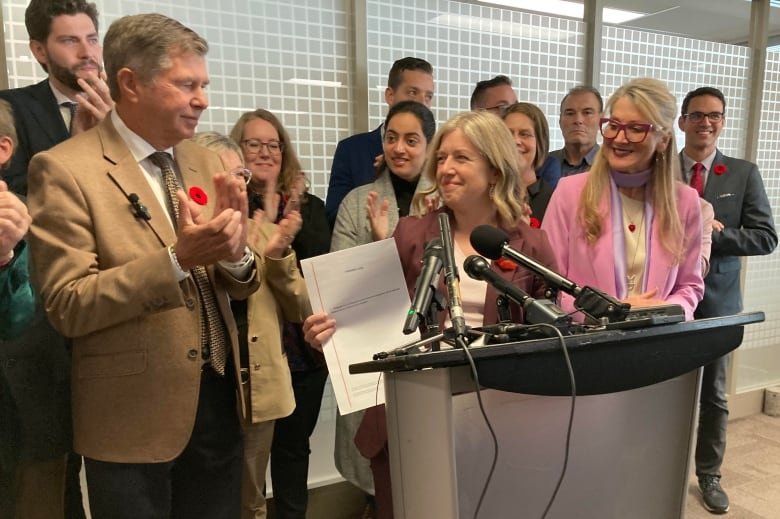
x,y
467,43
291,57
759,358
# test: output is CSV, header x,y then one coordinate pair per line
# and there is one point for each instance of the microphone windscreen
x,y
475,266
488,241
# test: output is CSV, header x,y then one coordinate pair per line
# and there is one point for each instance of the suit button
x,y
256,367
192,354
10,363
190,303
254,338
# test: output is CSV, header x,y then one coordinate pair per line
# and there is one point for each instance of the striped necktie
x,y
212,328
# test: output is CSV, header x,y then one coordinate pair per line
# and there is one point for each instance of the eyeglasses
x,y
253,146
697,117
242,173
500,109
634,132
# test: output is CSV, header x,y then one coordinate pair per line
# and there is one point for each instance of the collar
x,y
689,162
139,148
59,96
591,155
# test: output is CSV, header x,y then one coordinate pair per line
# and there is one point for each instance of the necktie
x,y
697,178
212,328
73,107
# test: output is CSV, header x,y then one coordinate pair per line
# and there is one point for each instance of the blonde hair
x,y
291,166
490,136
655,102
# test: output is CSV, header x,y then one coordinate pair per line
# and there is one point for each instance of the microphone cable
x,y
562,342
462,344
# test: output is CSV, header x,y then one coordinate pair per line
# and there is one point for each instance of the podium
x,y
632,432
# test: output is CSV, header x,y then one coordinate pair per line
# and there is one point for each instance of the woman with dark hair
x,y
370,213
277,187
531,134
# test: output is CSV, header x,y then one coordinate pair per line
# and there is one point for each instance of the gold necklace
x,y
628,220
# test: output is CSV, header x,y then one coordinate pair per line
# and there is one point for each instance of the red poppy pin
x,y
198,195
505,264
719,169
535,223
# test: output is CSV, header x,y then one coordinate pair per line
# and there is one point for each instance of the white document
x,y
364,290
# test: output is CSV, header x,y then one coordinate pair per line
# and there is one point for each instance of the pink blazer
x,y
594,265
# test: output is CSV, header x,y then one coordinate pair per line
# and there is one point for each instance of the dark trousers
x,y
290,449
74,501
204,482
713,419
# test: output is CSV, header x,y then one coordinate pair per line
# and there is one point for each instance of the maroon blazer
x,y
411,235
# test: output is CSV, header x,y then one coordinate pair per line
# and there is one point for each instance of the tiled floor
x,y
751,471
751,476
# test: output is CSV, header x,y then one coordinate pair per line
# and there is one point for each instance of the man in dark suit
x,y
353,163
140,275
743,226
64,40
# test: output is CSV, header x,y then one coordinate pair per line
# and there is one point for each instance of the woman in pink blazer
x,y
630,227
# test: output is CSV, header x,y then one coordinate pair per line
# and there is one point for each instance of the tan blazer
x,y
282,296
106,280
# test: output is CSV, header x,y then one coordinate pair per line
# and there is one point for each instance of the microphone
x,y
451,277
139,209
426,285
493,243
536,311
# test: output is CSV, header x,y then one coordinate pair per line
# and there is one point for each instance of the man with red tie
x,y
743,226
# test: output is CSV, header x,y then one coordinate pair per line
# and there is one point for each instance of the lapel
x,y
128,177
715,183
47,112
598,260
490,312
660,263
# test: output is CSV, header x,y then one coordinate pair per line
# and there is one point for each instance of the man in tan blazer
x,y
120,268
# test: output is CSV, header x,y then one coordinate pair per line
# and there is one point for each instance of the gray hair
x,y
145,44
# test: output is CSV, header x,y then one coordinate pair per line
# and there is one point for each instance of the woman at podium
x,y
629,226
473,175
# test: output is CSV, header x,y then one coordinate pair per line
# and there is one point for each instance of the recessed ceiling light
x,y
313,82
570,9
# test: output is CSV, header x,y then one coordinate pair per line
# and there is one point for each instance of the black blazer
x,y
353,166
739,199
39,126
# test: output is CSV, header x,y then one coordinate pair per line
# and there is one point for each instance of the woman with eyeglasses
x,y
276,189
529,129
630,227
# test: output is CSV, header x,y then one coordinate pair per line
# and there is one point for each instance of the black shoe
x,y
715,499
